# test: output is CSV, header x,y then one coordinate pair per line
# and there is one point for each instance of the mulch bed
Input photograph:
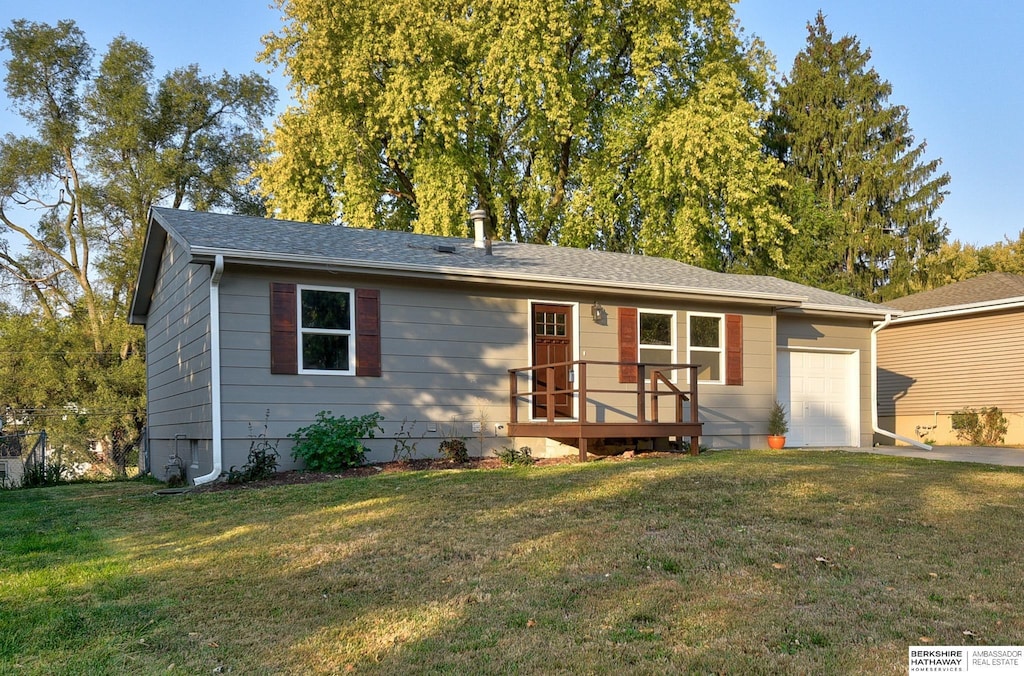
x,y
298,477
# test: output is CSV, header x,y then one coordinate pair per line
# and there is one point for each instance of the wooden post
x,y
549,395
583,393
583,448
513,397
641,412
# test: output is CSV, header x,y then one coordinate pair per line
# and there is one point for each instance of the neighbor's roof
x,y
983,292
249,239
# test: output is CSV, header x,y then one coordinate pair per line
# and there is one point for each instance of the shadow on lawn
x,y
730,561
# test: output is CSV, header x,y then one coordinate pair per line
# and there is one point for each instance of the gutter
x,y
215,397
960,310
874,390
488,276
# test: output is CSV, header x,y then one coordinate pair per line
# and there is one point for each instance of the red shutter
x,y
283,332
368,332
629,345
734,349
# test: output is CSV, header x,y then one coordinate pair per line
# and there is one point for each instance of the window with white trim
x,y
706,343
326,340
657,338
3,471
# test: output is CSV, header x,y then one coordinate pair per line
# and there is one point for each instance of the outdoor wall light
x,y
599,313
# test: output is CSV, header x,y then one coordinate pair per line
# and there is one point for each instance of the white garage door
x,y
820,390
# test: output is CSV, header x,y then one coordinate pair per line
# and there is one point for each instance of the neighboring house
x,y
955,347
248,318
12,465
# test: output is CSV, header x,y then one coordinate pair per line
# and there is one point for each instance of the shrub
x,y
985,427
262,461
454,450
510,456
332,444
51,474
777,425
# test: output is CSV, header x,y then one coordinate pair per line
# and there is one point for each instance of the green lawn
x,y
733,562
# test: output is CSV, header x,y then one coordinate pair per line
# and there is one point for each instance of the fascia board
x,y
488,277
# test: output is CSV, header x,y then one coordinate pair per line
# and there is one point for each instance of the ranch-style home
x,y
251,321
955,347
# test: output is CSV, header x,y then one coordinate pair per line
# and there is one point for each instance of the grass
x,y
733,562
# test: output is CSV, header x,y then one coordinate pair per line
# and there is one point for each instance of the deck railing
x,y
651,389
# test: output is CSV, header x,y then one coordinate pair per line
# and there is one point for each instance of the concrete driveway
x,y
1012,457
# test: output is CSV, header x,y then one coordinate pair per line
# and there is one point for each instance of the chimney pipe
x,y
480,238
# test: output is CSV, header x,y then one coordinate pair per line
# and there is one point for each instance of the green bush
x,y
984,427
454,450
511,456
332,444
37,474
777,424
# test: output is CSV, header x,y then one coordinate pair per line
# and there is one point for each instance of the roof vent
x,y
480,238
444,248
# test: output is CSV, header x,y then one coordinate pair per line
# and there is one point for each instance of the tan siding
x,y
946,365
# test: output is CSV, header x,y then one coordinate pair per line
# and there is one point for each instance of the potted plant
x,y
777,426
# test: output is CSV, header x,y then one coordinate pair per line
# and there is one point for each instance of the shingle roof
x,y
990,288
269,240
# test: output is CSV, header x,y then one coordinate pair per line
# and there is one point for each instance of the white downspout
x,y
215,402
874,390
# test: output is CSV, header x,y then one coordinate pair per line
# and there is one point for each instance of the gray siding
x,y
798,330
446,354
178,365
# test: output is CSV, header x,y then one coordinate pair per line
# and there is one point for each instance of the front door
x,y
552,344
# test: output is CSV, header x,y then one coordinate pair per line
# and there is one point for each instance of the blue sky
x,y
955,65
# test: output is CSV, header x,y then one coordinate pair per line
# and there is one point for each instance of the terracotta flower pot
x,y
776,442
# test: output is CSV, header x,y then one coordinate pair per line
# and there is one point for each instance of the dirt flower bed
x,y
292,477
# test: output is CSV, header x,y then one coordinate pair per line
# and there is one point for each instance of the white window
x,y
707,342
657,333
326,339
3,471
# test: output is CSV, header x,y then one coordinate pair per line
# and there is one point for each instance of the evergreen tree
x,y
833,126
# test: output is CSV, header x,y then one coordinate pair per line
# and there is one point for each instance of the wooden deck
x,y
636,406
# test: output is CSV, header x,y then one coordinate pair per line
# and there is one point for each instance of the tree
x,y
606,124
74,196
832,124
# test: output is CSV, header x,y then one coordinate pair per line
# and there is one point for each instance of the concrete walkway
x,y
1012,457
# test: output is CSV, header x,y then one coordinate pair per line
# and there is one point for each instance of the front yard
x,y
731,562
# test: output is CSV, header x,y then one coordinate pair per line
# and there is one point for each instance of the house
x,y
955,347
250,319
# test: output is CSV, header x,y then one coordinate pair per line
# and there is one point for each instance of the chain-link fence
x,y
28,459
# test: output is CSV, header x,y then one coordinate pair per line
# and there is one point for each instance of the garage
x,y
819,389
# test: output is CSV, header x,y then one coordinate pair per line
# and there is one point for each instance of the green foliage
x,y
777,424
49,473
107,139
623,126
512,457
262,460
405,451
875,193
983,427
454,450
333,444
